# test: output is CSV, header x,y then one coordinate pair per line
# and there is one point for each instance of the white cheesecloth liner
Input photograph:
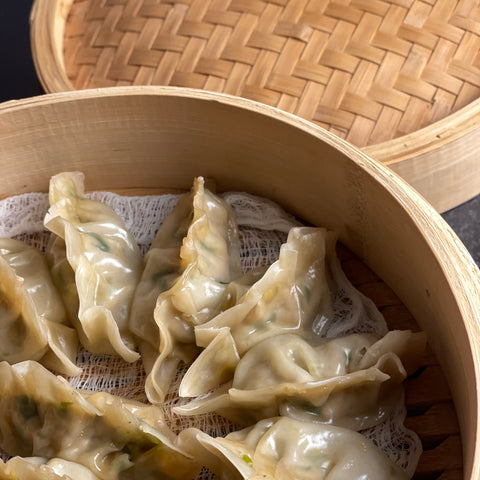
x,y
263,228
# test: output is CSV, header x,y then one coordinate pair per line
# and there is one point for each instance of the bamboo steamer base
x,y
152,140
398,78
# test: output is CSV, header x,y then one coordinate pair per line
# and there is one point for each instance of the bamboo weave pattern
x,y
368,70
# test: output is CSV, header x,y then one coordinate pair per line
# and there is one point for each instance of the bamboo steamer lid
x,y
141,140
398,78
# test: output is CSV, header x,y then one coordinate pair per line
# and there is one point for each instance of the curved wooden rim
x,y
449,254
46,35
439,160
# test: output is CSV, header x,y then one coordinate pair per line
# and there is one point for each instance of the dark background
x,y
17,72
18,79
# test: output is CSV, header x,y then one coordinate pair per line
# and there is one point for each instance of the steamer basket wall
x,y
155,139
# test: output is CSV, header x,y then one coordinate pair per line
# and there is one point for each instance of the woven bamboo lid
x,y
398,78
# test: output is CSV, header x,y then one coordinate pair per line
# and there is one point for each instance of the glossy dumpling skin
x,y
18,468
284,448
42,415
106,261
208,260
353,381
291,296
34,324
63,278
161,267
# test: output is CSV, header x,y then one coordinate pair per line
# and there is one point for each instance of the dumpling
x,y
293,294
63,278
353,381
36,468
162,266
106,261
284,448
197,269
34,324
107,434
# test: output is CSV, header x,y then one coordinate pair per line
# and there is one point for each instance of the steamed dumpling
x,y
283,449
42,415
63,278
197,269
293,294
106,261
37,468
162,266
34,324
353,381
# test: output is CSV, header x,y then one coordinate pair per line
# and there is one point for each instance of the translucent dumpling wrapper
x,y
284,448
37,468
63,278
197,270
162,266
353,381
106,261
34,323
291,296
41,415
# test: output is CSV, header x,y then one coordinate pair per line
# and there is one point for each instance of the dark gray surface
x,y
19,80
465,221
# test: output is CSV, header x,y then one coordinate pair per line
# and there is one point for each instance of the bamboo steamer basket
x,y
399,79
397,249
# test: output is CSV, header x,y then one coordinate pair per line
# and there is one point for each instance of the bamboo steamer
x,y
142,140
398,78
